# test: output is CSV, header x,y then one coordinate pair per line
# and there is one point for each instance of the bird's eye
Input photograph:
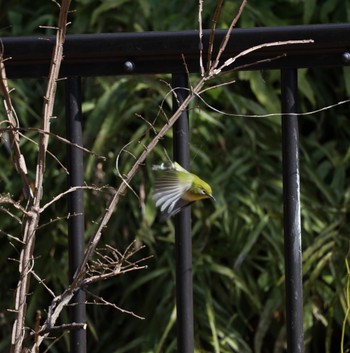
x,y
203,192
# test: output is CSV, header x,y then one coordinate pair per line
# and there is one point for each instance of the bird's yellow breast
x,y
190,196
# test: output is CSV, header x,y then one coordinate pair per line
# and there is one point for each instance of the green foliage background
x,y
238,241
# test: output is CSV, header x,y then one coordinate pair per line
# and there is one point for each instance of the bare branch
x,y
58,329
101,301
67,142
70,190
42,281
212,31
48,27
217,86
6,199
227,37
236,115
50,153
200,32
5,210
147,122
50,98
57,219
80,282
11,236
56,339
216,71
118,171
33,216
59,138
242,67
19,160
111,263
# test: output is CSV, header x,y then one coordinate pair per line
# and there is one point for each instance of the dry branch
x,y
32,219
100,301
18,157
114,264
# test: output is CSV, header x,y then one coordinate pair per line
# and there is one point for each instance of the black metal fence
x,y
154,53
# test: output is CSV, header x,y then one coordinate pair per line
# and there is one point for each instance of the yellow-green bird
x,y
176,188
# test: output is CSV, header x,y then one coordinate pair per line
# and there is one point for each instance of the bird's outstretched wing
x,y
168,189
179,205
170,185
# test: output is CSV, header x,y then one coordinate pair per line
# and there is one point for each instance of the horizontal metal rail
x,y
163,52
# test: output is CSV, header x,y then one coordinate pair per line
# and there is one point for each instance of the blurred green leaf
x,y
309,8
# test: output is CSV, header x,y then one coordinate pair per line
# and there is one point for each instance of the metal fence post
x,y
291,202
75,207
183,238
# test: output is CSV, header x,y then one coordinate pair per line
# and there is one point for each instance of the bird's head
x,y
199,190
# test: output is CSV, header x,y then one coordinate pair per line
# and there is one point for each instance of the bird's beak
x,y
212,197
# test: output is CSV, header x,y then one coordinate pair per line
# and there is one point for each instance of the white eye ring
x,y
203,192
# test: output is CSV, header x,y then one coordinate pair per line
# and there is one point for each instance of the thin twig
x,y
42,281
147,122
226,38
60,328
53,343
5,210
200,33
236,115
215,19
6,199
111,263
49,152
70,190
19,159
217,86
230,61
113,273
57,219
101,301
267,60
118,170
58,137
11,236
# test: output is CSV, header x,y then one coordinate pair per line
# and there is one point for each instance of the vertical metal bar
x,y
292,226
183,238
75,207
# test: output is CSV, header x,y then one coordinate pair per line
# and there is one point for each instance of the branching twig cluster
x,y
109,263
